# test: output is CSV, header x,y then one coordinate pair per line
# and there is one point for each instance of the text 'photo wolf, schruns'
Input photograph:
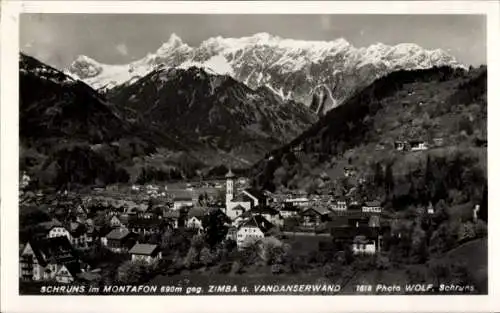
x,y
253,154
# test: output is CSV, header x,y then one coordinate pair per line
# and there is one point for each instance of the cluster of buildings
x,y
249,215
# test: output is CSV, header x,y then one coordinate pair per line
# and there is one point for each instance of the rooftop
x,y
118,234
143,249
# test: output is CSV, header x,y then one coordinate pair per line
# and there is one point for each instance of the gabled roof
x,y
197,212
258,221
241,197
118,234
374,203
261,209
143,249
257,194
139,222
239,207
73,268
288,207
183,198
78,230
318,209
56,249
172,214
50,224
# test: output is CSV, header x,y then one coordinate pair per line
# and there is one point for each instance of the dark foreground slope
x,y
69,134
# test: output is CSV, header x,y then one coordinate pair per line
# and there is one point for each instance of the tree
x,y
481,229
389,180
483,209
206,257
440,271
215,225
130,272
192,258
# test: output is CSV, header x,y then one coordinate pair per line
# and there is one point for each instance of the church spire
x,y
230,174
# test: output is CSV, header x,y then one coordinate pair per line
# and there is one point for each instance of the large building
x,y
237,203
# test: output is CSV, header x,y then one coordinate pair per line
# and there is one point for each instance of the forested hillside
x,y
444,108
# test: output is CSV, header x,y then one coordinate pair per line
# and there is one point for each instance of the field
x,y
472,254
304,244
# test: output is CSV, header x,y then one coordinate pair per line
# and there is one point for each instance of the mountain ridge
x,y
293,69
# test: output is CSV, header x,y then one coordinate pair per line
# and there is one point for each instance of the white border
x,y
12,302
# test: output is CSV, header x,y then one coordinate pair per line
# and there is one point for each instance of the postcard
x,y
241,156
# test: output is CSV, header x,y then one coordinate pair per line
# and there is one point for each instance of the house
x,y
339,205
68,273
418,145
78,232
56,229
363,245
430,209
115,221
298,202
372,207
349,171
362,240
232,233
438,142
145,226
119,240
314,216
195,217
143,252
254,228
289,210
400,145
269,213
42,259
172,218
183,200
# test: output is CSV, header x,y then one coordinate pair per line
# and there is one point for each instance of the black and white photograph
x,y
252,154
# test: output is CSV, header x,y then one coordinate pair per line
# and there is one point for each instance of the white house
x,y
363,245
42,259
67,273
143,252
194,218
299,202
339,206
59,231
289,210
371,207
183,201
252,229
418,145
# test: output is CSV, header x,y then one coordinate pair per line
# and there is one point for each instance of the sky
x,y
58,39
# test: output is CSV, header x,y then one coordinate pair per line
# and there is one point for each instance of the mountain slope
x,y
214,111
71,134
293,69
444,107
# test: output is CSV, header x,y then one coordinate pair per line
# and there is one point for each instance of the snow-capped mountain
x,y
293,69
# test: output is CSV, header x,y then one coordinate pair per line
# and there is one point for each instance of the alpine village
x,y
170,174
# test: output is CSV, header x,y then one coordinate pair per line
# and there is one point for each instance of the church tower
x,y
229,186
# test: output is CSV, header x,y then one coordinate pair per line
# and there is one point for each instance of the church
x,y
239,202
